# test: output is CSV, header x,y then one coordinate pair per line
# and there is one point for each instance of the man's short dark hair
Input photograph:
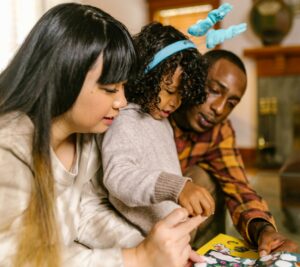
x,y
213,56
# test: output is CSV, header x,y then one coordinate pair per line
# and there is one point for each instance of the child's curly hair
x,y
145,87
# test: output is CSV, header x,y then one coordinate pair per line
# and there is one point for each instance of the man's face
x,y
226,84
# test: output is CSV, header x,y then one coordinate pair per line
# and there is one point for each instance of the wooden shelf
x,y
275,60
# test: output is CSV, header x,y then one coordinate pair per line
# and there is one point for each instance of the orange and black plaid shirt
x,y
215,152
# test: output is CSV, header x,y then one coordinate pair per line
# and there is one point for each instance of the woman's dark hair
x,y
144,88
213,56
43,81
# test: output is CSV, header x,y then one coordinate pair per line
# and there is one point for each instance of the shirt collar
x,y
186,135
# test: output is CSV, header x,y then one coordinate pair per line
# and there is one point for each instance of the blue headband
x,y
168,51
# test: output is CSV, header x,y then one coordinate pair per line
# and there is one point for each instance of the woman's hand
x,y
167,244
194,258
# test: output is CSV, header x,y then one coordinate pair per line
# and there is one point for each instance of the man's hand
x,y
197,200
270,241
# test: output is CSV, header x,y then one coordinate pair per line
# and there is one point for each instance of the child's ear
x,y
166,79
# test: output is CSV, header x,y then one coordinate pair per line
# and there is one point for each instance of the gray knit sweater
x,y
141,167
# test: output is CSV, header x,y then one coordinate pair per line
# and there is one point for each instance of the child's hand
x,y
197,200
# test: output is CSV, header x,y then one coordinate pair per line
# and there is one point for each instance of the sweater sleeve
x,y
15,190
100,225
126,176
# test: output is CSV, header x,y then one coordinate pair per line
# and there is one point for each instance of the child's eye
x,y
170,91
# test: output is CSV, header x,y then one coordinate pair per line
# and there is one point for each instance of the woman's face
x,y
96,105
170,99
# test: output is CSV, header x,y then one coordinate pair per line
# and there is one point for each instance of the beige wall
x,y
133,13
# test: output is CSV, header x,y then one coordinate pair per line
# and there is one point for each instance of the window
x,y
16,19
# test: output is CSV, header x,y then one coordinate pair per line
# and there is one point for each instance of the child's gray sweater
x,y
141,167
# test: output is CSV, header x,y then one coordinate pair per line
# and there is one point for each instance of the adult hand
x,y
197,200
270,241
168,242
194,258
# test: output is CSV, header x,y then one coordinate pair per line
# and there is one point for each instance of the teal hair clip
x,y
215,37
168,51
214,16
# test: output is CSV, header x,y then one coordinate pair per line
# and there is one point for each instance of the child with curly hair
x,y
141,170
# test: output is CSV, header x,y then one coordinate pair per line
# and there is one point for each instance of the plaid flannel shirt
x,y
215,152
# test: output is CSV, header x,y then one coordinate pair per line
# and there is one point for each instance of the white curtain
x,y
17,17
